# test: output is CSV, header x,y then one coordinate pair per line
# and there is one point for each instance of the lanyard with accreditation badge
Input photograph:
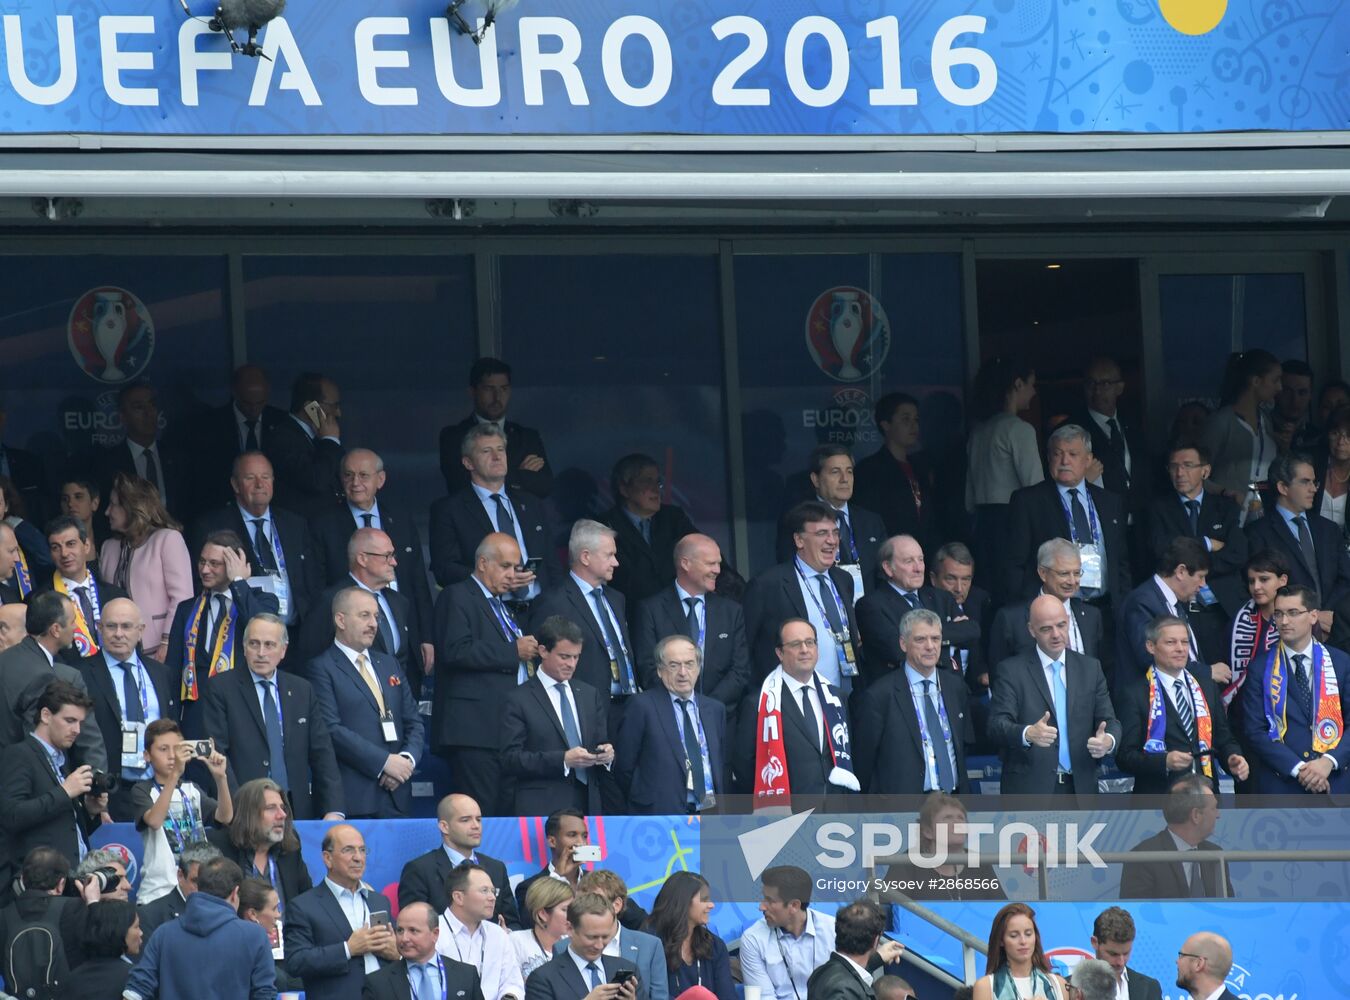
x,y
843,644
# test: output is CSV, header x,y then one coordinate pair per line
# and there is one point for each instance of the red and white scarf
x,y
773,787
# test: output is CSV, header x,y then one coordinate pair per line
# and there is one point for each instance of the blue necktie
x,y
570,729
594,970
1062,717
945,774
276,746
625,673
131,691
427,988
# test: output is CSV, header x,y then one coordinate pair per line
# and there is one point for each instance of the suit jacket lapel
x,y
334,911
665,713
248,691
573,975
546,705
905,702
584,606
793,586
104,685
475,509
345,666
1037,674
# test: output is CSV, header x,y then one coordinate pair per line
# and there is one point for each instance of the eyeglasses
x,y
353,850
387,556
1187,954
797,644
1102,383
1286,616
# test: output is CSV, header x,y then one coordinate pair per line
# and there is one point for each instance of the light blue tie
x,y
570,729
426,988
1062,717
594,970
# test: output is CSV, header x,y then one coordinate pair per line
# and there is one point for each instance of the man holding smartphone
x,y
583,971
305,450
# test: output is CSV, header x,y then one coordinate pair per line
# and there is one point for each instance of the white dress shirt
x,y
550,686
794,690
489,950
357,912
780,964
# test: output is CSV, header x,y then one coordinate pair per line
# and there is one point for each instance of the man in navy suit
x,y
1296,736
333,937
370,712
363,479
1203,964
373,562
481,657
1311,543
646,530
1173,590
672,741
1068,506
142,453
554,729
583,970
692,608
808,586
642,949
421,974
305,448
488,503
490,394
280,559
218,435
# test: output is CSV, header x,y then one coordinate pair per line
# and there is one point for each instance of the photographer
x,y
107,866
171,812
45,957
47,803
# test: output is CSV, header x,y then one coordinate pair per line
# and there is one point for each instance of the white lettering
x,y
833,840
945,56
880,840
891,93
973,832
370,59
115,61
191,61
296,76
1031,841
794,59
534,63
490,93
611,61
1077,847
724,89
67,69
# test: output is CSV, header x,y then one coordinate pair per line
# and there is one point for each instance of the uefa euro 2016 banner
x,y
700,67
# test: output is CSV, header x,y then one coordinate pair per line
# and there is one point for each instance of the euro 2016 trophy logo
x,y
111,334
847,333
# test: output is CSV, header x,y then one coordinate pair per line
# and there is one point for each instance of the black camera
x,y
102,782
105,878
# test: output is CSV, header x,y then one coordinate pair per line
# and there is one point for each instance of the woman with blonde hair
x,y
147,557
547,899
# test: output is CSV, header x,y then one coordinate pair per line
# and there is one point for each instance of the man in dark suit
x,y
368,708
490,395
372,565
583,970
66,540
363,478
646,530
586,598
1191,812
564,831
280,560
143,454
1191,734
485,504
305,448
1284,695
1115,445
954,571
222,433
129,692
857,938
49,800
1174,590
816,756
1113,943
419,973
1060,569
1203,964
808,586
1059,508
270,725
895,480
861,531
1051,713
1189,510
914,724
672,741
206,637
1310,542
691,607
423,878
482,655
904,590
554,729
332,939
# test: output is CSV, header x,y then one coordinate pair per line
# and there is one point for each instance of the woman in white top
x,y
1017,968
1238,435
547,899
1002,456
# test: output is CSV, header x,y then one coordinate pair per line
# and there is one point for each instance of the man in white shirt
x,y
1203,964
780,951
468,933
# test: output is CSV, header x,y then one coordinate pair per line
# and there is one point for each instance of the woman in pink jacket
x,y
147,557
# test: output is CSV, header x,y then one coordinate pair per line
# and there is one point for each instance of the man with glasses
x,y
646,530
671,751
1311,542
469,934
372,565
1060,568
1120,470
339,932
1293,709
1203,964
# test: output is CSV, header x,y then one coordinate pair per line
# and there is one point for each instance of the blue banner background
x,y
1061,65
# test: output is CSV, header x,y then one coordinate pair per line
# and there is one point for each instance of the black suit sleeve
x,y
1020,554
539,482
732,685
325,777
645,640
448,563
515,733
